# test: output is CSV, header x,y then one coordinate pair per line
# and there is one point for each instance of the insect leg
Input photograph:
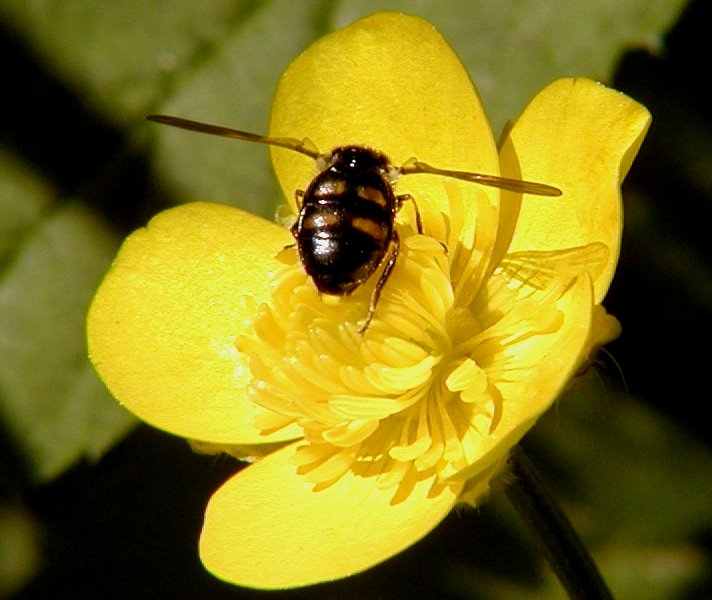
x,y
297,225
407,197
299,197
385,274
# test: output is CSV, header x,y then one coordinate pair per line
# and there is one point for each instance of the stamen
x,y
416,394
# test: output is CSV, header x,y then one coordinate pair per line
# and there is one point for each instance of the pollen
x,y
418,393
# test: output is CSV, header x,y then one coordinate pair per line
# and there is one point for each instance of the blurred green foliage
x,y
79,168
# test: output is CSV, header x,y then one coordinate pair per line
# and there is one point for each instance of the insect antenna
x,y
304,146
414,166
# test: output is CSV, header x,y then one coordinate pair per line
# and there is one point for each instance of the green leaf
x,y
635,486
23,198
658,478
121,56
234,87
219,61
631,573
53,405
19,548
513,49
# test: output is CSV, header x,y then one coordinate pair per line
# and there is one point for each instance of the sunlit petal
x,y
266,528
581,137
163,324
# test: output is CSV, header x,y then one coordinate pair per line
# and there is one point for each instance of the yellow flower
x,y
206,328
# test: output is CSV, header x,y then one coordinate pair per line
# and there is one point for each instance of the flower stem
x,y
567,556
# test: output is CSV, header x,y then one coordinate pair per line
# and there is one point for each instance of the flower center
x,y
413,397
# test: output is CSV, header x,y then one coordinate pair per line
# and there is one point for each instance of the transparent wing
x,y
304,146
414,166
538,269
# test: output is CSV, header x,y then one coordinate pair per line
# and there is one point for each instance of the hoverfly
x,y
345,228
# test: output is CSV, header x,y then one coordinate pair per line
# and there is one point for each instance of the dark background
x,y
126,526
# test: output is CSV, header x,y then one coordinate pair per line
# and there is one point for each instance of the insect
x,y
345,229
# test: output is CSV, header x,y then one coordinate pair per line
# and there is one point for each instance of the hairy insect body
x,y
346,220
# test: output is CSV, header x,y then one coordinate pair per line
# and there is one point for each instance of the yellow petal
x,y
268,528
162,326
581,137
604,329
529,373
389,82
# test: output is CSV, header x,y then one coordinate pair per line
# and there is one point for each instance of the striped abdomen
x,y
346,222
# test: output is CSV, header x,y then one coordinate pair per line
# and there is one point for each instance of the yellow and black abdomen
x,y
345,227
